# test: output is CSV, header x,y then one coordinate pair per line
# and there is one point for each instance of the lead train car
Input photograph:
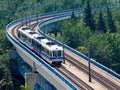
x,y
48,50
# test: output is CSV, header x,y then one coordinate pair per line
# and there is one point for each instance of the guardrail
x,y
102,67
67,47
34,55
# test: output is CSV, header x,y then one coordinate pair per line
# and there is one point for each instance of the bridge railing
x,y
34,55
67,47
102,67
44,64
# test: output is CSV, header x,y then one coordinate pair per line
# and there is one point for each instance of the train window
x,y
32,33
29,39
50,54
36,45
39,38
47,51
23,35
42,48
18,34
39,46
33,43
56,53
50,43
27,28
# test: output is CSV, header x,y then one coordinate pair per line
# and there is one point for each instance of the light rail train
x,y
47,49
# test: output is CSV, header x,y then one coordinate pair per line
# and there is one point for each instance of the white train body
x,y
48,50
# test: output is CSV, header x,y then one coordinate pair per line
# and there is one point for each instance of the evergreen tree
x,y
101,23
110,22
73,15
73,18
37,1
88,18
83,1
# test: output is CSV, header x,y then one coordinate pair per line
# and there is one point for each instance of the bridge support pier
x,y
31,79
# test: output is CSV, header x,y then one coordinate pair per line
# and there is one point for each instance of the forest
x,y
98,28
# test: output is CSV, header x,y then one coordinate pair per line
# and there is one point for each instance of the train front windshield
x,y
56,53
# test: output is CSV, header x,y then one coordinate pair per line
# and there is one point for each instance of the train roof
x,y
29,33
24,28
50,45
56,48
39,37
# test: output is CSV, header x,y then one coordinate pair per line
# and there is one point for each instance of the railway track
x,y
16,27
82,85
101,79
74,79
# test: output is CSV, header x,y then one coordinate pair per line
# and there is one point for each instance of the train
x,y
43,47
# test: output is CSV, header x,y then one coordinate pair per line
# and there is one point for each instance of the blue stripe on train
x,y
51,58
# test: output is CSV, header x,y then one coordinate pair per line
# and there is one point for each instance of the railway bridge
x,y
40,75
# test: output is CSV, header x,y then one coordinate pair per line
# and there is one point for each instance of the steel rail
x,y
104,81
73,78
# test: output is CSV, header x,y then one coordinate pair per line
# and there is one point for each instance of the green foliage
x,y
101,23
82,49
100,49
116,14
114,39
105,47
116,67
57,37
110,22
76,34
51,35
27,87
116,18
56,28
4,43
73,15
13,9
5,73
88,18
71,35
